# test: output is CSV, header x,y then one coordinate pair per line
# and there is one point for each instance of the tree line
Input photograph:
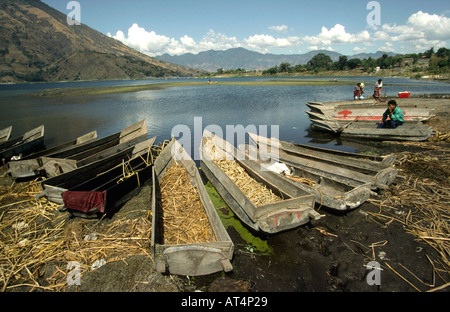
x,y
438,62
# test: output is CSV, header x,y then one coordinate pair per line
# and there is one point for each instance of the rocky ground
x,y
404,229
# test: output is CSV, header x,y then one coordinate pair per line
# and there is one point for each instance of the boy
x,y
392,117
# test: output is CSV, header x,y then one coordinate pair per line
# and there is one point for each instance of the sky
x,y
279,27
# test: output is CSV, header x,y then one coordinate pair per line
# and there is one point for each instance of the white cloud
x,y
336,35
279,28
421,31
263,43
359,50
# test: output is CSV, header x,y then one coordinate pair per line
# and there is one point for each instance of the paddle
x,y
339,130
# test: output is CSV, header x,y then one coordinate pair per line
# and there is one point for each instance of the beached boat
x,y
409,131
30,166
328,192
174,249
106,193
5,134
361,112
24,145
80,155
283,206
349,168
374,162
54,187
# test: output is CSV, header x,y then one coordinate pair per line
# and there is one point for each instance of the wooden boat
x,y
195,257
24,145
409,131
5,134
349,168
54,187
30,166
363,161
295,208
371,113
77,156
328,192
105,193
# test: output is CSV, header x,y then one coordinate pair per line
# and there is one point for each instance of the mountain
x,y
37,44
241,58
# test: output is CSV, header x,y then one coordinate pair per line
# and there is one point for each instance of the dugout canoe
x,y
192,258
54,187
77,156
106,193
328,192
368,112
29,166
349,168
5,134
24,145
296,207
374,162
409,131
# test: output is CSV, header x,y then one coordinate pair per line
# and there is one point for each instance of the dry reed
x,y
421,203
255,191
184,218
37,242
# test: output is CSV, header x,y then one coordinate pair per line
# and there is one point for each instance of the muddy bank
x,y
404,229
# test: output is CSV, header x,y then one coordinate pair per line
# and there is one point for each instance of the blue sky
x,y
280,27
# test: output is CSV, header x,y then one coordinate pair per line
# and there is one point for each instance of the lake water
x,y
222,105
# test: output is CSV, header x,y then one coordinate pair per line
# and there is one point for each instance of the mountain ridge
x,y
37,44
234,58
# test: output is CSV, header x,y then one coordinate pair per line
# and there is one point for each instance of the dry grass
x,y
421,203
184,217
37,242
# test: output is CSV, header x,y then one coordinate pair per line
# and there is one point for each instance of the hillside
x,y
37,44
249,60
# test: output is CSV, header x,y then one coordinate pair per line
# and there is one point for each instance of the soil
x,y
328,255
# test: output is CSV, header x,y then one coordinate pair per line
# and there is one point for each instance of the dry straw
x,y
37,242
184,217
421,205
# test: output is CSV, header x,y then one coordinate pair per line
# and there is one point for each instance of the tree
x,y
320,61
284,67
342,63
353,63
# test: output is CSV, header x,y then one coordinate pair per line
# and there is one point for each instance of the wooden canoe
x,y
5,134
77,156
24,145
328,192
195,258
54,187
349,168
29,166
106,193
374,162
409,131
296,207
369,113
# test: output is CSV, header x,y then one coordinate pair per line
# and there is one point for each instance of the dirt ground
x,y
404,229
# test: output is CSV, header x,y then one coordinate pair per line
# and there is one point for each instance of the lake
x,y
68,117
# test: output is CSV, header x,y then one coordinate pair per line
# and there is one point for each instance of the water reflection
x,y
222,105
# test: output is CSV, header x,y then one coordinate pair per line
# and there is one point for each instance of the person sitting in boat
x,y
392,117
357,92
378,88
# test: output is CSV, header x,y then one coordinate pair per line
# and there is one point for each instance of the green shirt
x,y
396,115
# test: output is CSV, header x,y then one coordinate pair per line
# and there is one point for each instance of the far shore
x,y
271,81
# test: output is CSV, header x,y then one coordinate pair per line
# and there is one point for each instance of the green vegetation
x,y
412,65
230,220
